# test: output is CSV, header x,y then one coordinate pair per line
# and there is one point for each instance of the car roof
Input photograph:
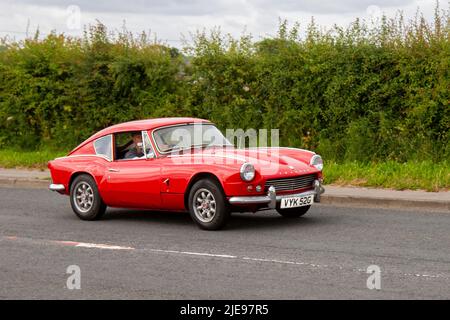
x,y
139,125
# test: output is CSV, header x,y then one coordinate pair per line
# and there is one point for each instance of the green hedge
x,y
361,93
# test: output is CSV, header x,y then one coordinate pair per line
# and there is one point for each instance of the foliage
x,y
370,92
59,90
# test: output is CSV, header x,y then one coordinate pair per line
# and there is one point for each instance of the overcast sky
x,y
169,19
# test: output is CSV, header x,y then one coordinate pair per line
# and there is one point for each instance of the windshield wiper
x,y
203,145
178,148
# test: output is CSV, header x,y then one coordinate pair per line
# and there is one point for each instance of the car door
x,y
135,183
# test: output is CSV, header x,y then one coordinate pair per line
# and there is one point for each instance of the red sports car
x,y
184,164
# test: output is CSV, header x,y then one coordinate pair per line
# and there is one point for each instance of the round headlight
x,y
247,172
317,162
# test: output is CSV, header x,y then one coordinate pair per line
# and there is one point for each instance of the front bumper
x,y
271,198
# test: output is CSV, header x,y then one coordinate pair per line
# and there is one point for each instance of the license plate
x,y
294,202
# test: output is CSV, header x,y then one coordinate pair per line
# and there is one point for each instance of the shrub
x,y
363,93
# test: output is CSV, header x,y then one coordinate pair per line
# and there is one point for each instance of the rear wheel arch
x,y
85,199
197,177
79,173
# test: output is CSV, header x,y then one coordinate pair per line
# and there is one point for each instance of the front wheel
x,y
207,205
293,212
85,198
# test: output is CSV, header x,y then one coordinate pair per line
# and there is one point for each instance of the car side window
x,y
132,145
103,146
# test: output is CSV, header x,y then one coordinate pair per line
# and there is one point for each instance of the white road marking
x,y
194,253
102,246
273,260
205,254
422,275
92,245
68,243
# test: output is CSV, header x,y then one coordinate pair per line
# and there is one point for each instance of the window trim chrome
x,y
84,155
144,132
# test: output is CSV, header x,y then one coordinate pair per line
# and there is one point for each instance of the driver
x,y
136,150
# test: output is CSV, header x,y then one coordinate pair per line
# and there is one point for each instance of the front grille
x,y
291,184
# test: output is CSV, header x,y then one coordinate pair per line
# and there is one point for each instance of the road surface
x,y
152,255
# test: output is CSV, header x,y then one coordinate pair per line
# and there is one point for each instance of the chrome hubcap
x,y
83,197
204,205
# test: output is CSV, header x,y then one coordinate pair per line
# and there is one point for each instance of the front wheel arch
x,y
197,177
211,212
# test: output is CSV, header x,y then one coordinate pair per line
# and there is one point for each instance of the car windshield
x,y
188,136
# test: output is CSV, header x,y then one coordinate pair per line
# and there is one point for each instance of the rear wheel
x,y
207,205
85,198
293,212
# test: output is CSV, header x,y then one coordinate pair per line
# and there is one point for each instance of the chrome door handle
x,y
113,170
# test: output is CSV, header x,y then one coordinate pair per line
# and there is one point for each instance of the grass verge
x,y
11,158
413,175
424,175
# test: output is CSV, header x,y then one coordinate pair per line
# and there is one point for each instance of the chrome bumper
x,y
271,198
56,187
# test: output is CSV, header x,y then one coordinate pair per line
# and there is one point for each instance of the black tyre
x,y
293,212
207,205
85,198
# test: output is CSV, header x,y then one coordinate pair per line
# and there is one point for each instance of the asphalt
x,y
155,255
